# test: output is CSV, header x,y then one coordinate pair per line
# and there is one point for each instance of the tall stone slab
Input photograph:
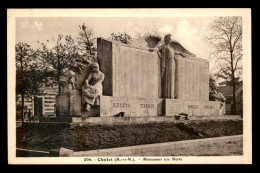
x,y
104,53
192,78
129,72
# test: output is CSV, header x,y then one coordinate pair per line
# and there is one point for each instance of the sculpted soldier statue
x,y
166,53
92,88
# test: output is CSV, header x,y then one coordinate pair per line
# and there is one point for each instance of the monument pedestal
x,y
191,107
62,119
112,106
134,107
93,112
68,104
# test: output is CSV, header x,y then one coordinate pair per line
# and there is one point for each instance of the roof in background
x,y
228,90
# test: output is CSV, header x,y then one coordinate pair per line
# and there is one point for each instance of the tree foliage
x,y
121,37
86,42
62,55
30,72
225,38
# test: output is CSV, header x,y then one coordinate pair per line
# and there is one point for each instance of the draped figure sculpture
x,y
166,53
92,88
67,80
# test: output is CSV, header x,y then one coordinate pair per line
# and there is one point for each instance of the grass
x,y
93,137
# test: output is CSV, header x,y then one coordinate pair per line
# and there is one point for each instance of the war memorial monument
x,y
128,86
134,81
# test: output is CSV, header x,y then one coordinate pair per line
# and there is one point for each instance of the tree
x,y
225,38
86,42
30,73
212,83
59,57
121,37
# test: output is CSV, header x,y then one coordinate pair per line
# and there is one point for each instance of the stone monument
x,y
168,80
136,81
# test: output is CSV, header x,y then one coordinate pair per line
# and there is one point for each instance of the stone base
x,y
113,106
192,108
110,106
68,104
62,119
93,112
133,107
151,119
54,124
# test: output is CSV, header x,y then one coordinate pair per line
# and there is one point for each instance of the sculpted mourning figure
x,y
92,87
166,53
169,55
67,81
70,100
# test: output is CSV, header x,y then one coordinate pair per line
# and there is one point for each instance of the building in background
x,y
42,105
228,94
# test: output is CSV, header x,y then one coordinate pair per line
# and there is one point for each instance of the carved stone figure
x,y
69,100
92,88
166,53
67,81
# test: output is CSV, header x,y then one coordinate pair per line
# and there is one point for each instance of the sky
x,y
189,32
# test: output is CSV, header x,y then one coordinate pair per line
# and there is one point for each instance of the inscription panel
x,y
121,105
208,107
111,106
130,106
193,108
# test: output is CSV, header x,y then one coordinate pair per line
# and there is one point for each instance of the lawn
x,y
109,136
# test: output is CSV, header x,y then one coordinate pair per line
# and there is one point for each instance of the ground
x,y
216,149
110,136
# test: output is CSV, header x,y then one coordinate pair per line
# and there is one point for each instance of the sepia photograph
x,y
129,86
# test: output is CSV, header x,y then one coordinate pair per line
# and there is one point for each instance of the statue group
x,y
90,90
